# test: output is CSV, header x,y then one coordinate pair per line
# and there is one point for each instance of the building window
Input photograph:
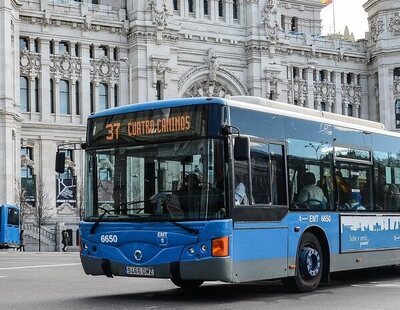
x,y
77,54
322,75
397,109
349,78
294,24
77,102
27,176
91,51
103,96
91,97
205,7
36,97
283,24
115,95
23,44
350,110
175,3
235,9
63,47
64,97
159,93
220,8
52,106
103,51
24,94
51,47
115,53
323,106
190,5
396,73
36,45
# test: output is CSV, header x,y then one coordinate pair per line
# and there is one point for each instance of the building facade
x,y
64,59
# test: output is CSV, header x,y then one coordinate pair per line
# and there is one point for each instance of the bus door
x,y
260,240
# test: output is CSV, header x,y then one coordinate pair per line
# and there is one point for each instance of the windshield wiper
x,y
96,223
188,229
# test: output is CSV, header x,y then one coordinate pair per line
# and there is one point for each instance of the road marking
x,y
3,276
39,266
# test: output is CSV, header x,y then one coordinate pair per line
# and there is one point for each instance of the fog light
x,y
191,251
204,248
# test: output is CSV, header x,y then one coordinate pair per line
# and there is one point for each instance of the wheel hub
x,y
310,262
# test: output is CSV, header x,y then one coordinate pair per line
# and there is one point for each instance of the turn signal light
x,y
220,247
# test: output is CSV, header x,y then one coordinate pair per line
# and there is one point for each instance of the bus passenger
x,y
311,194
343,189
189,195
240,195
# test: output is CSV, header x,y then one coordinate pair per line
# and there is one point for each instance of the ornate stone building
x,y
63,59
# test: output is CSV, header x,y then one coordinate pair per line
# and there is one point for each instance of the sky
x,y
347,12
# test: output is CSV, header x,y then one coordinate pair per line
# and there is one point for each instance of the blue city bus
x,y
9,226
236,190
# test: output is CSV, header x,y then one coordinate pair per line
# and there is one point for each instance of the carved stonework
x,y
65,65
269,21
104,69
69,164
394,24
105,164
376,28
324,91
159,16
213,64
29,63
300,89
274,79
66,209
351,93
207,88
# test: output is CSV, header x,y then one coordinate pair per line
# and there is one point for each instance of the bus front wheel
x,y
309,264
187,284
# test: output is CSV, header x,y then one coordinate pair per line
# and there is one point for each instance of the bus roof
x,y
158,104
284,109
256,104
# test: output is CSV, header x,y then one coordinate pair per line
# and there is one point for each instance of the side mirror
x,y
60,162
241,150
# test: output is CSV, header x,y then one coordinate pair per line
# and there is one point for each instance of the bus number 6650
x,y
109,238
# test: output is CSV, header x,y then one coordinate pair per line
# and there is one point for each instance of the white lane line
x,y
39,266
3,276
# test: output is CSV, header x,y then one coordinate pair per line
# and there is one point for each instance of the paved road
x,y
57,281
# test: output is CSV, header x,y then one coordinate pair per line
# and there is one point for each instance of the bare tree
x,y
20,201
42,211
80,199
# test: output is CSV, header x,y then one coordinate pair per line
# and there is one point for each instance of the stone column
x,y
338,90
385,112
44,82
72,91
310,88
85,82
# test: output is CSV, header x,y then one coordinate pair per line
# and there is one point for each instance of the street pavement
x,y
57,281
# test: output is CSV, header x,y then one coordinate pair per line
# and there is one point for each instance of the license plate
x,y
140,271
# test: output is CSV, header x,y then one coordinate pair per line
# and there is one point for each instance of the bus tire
x,y
187,284
309,265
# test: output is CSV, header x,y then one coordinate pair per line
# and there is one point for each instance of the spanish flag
x,y
326,2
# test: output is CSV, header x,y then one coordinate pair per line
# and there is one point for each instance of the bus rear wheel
x,y
187,284
309,264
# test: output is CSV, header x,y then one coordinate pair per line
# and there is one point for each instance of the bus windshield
x,y
172,181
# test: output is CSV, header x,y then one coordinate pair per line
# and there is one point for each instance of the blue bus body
x,y
9,226
273,236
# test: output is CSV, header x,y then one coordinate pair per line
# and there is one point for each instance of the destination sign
x,y
188,121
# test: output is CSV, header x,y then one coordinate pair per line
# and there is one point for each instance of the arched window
x,y
64,97
103,96
24,94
